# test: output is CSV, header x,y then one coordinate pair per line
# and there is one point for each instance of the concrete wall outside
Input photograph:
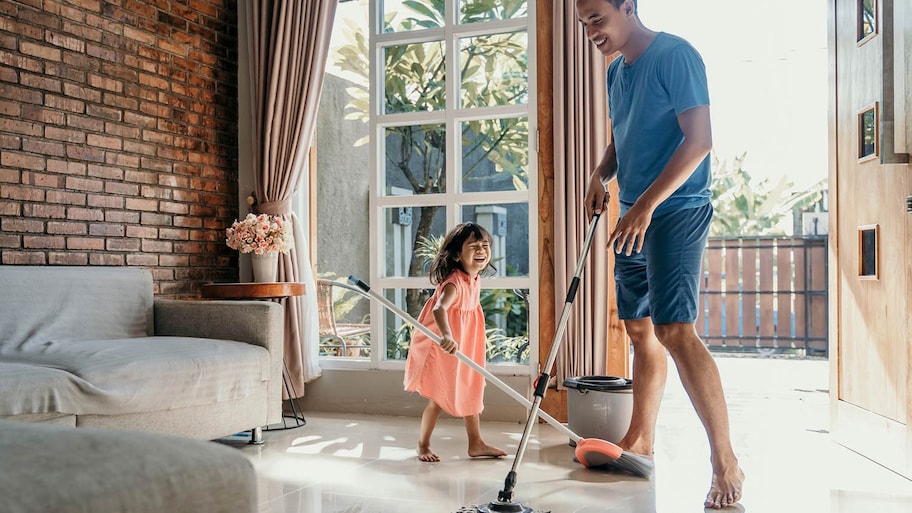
x,y
343,188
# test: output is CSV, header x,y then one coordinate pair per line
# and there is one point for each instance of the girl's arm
x,y
447,298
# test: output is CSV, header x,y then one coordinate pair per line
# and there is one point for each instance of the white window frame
x,y
451,118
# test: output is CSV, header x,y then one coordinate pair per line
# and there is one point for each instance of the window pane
x,y
506,322
494,70
347,333
415,160
867,18
473,11
402,15
868,146
509,226
495,155
414,77
399,332
412,236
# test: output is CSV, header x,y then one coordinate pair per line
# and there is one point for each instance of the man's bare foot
x,y
726,487
483,450
640,446
425,454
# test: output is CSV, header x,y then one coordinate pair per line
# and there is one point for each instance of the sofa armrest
x,y
254,322
260,323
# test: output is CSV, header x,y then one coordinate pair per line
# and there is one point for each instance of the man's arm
x,y
697,129
604,172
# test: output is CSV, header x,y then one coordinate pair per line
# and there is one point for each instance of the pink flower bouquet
x,y
260,234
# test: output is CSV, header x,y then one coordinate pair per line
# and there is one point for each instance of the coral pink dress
x,y
438,375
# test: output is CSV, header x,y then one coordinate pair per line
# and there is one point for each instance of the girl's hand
x,y
631,230
448,344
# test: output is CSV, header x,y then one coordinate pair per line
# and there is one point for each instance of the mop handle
x,y
541,384
571,294
366,290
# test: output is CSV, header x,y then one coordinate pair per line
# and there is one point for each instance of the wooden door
x,y
871,274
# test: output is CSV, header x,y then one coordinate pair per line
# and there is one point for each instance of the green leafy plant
x,y
747,206
503,348
398,342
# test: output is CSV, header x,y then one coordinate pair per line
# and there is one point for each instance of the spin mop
x,y
590,452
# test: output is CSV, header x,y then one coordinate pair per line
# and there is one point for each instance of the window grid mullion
x,y
452,140
452,117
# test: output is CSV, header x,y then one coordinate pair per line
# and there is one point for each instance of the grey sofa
x,y
55,469
92,347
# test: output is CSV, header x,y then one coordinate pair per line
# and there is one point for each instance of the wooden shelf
x,y
251,290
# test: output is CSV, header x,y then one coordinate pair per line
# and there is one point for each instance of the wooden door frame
x,y
617,354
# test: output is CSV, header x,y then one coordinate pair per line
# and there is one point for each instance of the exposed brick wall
x,y
118,136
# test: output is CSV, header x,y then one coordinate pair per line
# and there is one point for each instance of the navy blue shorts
x,y
663,280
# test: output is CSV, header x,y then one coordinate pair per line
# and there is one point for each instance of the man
x,y
659,108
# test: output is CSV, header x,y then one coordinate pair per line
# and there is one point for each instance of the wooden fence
x,y
765,295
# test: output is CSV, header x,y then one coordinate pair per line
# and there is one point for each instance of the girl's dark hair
x,y
447,259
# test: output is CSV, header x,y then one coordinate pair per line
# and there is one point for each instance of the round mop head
x,y
499,507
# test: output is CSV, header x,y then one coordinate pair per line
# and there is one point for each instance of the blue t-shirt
x,y
644,101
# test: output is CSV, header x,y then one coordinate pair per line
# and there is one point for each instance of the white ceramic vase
x,y
265,266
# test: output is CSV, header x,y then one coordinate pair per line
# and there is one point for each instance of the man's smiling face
x,y
606,26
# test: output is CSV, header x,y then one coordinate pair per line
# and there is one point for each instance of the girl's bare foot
x,y
725,490
483,450
425,454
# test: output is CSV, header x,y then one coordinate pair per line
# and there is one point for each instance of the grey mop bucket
x,y
599,406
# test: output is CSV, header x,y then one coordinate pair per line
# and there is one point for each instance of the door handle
x,y
888,154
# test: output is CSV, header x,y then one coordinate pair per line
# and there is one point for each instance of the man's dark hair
x,y
617,4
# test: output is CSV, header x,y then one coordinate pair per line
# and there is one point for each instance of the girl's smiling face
x,y
475,255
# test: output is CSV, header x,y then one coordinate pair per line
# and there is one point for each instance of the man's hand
x,y
596,196
631,230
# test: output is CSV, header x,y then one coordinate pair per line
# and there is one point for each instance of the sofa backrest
x,y
49,304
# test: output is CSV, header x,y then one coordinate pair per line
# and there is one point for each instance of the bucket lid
x,y
598,383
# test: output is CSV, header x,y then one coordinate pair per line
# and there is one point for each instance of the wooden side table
x,y
265,291
251,290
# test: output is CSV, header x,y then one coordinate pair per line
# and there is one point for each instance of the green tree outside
x,y
746,206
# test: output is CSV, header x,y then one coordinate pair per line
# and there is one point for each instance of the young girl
x,y
453,312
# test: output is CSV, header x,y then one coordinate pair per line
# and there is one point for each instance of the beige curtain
x,y
580,135
288,43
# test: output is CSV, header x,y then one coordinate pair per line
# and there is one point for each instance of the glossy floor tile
x,y
779,422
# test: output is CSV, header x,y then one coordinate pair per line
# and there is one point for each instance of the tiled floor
x,y
779,417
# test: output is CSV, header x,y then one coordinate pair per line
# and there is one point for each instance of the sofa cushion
x,y
47,304
66,470
27,389
118,376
